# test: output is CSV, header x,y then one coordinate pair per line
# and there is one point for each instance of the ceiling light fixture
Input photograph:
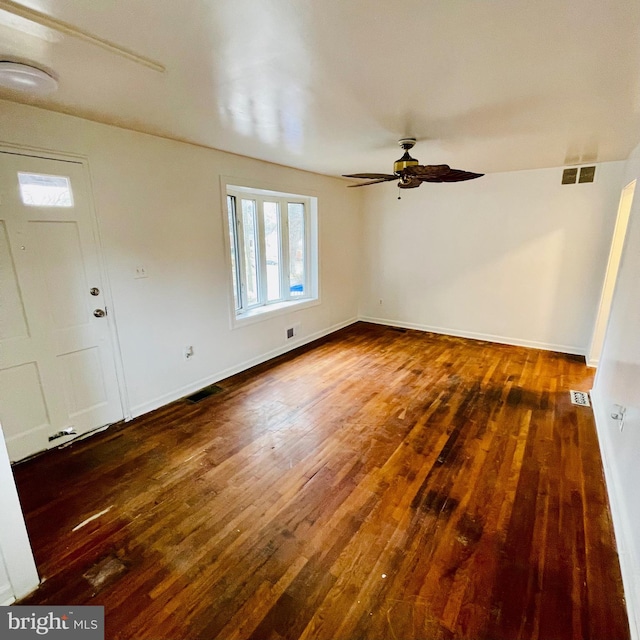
x,y
25,78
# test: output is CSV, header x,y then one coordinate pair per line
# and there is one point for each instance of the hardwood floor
x,y
382,485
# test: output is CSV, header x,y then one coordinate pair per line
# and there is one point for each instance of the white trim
x,y
517,342
624,533
272,187
111,318
165,399
611,274
41,152
257,314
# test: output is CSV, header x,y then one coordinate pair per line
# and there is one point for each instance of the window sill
x,y
258,314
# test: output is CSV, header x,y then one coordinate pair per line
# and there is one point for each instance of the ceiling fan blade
x,y
364,184
453,175
426,171
370,176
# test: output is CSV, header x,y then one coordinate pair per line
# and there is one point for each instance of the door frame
x,y
625,203
83,161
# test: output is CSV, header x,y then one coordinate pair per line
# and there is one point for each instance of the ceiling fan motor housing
x,y
406,160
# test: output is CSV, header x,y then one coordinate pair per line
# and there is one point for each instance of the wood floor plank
x,y
377,484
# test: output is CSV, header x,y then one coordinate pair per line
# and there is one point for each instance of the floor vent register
x,y
581,398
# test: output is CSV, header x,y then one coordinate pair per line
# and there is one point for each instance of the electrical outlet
x,y
141,272
619,414
188,352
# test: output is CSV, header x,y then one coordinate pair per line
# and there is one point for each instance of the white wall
x,y
158,204
511,257
618,383
18,575
6,591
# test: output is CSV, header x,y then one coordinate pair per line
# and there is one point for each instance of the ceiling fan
x,y
412,174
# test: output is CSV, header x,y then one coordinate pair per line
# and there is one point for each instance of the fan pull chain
x,y
399,198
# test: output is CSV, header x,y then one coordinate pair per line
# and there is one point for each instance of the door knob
x,y
99,313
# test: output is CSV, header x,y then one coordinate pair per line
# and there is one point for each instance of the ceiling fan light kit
x,y
410,174
26,78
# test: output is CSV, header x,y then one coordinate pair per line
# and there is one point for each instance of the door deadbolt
x,y
94,291
99,313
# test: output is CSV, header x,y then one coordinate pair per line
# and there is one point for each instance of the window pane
x,y
45,191
250,250
296,249
233,245
272,250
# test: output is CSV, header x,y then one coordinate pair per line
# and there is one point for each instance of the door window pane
x,y
296,249
272,249
38,190
250,250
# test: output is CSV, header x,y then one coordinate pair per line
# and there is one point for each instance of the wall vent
x,y
204,393
292,331
587,174
581,398
570,176
398,329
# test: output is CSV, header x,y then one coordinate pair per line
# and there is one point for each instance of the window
x,y
272,246
38,190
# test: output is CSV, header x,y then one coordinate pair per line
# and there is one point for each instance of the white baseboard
x,y
165,399
624,533
532,344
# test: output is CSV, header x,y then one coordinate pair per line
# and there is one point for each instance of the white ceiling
x,y
330,85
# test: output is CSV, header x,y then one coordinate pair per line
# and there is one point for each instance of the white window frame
x,y
249,313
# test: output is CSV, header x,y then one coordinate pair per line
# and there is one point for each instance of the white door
x,y
57,369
